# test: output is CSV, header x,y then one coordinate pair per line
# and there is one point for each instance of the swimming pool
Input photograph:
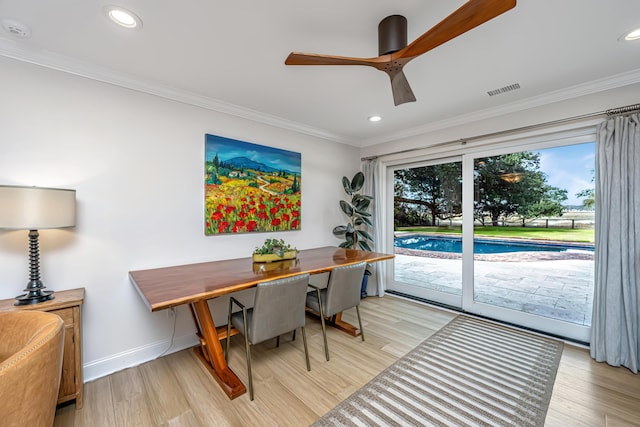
x,y
481,246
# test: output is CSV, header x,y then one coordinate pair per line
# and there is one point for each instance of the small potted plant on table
x,y
274,250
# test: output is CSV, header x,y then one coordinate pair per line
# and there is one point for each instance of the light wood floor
x,y
175,390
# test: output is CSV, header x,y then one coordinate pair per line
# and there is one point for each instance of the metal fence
x,y
569,219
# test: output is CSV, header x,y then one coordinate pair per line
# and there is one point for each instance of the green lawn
x,y
559,234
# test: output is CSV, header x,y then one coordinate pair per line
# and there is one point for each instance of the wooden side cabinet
x,y
67,305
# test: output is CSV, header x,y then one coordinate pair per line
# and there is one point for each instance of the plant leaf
x,y
346,208
347,185
349,240
364,245
357,182
367,221
339,230
365,235
362,197
361,204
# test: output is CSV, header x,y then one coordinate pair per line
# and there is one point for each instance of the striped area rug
x,y
469,373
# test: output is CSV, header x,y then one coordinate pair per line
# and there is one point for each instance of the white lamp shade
x,y
35,208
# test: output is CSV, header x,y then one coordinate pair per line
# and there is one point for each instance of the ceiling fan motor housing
x,y
392,34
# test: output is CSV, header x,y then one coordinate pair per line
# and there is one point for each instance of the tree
x,y
588,195
295,187
512,184
435,189
549,204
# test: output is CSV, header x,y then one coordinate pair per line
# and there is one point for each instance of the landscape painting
x,y
250,187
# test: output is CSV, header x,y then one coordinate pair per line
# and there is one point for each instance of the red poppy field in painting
x,y
250,188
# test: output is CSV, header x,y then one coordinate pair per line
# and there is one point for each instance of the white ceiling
x,y
229,56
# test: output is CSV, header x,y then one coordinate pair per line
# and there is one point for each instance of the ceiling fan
x,y
393,51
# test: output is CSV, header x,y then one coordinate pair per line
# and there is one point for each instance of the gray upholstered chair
x,y
278,308
342,292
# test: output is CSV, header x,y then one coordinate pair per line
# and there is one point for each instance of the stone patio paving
x,y
556,288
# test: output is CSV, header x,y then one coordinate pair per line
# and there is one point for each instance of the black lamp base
x,y
35,292
34,297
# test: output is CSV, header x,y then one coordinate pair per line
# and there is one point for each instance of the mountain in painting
x,y
245,163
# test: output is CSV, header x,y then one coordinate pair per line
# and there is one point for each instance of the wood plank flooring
x,y
175,390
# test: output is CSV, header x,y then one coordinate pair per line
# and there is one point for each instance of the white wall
x,y
136,161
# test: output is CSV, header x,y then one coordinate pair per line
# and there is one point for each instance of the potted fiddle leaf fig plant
x,y
357,211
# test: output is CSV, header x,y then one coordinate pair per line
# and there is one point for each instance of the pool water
x,y
480,246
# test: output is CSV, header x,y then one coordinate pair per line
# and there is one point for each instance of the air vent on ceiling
x,y
509,88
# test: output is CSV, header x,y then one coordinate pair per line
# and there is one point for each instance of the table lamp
x,y
34,208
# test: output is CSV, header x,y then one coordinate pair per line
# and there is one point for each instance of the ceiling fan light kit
x,y
393,51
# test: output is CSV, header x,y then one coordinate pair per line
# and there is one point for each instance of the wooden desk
x,y
194,284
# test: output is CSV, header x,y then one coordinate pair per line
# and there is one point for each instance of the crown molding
x,y
17,51
589,88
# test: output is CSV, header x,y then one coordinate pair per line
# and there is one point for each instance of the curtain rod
x,y
609,113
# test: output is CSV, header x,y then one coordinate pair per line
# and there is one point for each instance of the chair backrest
x,y
343,290
31,345
278,308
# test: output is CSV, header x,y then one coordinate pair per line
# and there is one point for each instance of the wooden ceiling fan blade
x,y
470,15
402,92
299,58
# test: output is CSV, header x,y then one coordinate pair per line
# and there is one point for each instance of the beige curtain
x,y
616,312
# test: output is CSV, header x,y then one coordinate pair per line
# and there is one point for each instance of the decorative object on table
x,y
354,232
275,267
33,209
250,187
274,250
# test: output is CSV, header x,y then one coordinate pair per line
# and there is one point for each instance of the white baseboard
x,y
102,367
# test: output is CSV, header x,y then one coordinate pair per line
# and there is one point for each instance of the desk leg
x,y
338,323
214,361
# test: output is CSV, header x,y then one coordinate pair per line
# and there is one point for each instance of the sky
x,y
571,168
227,148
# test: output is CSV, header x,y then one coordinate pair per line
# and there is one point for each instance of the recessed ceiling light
x,y
374,118
630,35
123,17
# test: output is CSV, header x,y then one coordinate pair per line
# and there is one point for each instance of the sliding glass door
x,y
533,233
427,206
505,233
